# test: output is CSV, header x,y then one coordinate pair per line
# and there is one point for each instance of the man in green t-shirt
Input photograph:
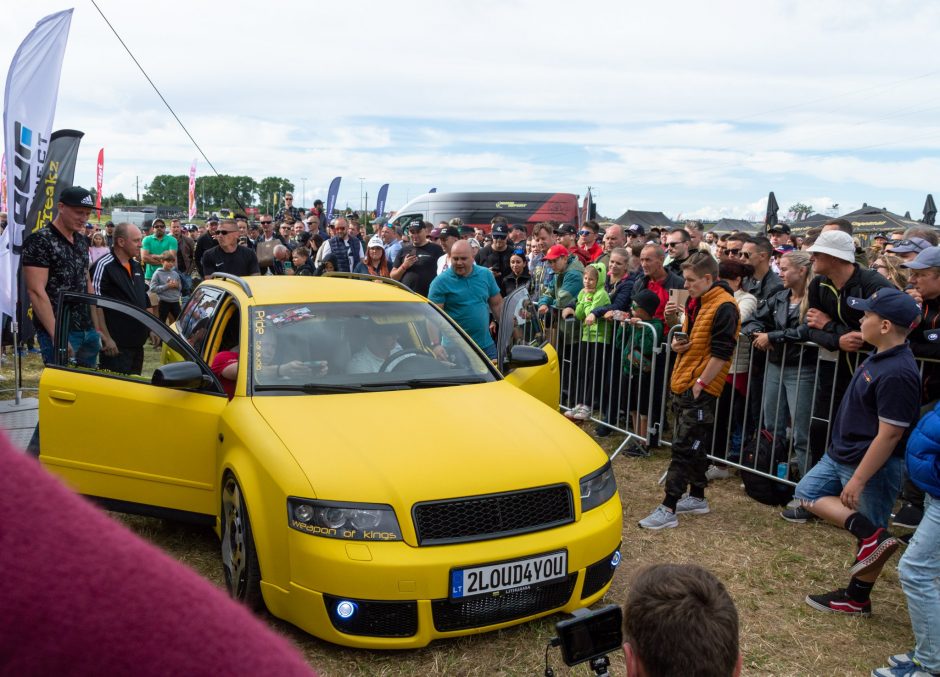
x,y
154,245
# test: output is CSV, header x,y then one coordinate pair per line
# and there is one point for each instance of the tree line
x,y
212,192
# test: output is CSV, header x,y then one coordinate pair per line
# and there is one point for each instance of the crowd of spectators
x,y
834,333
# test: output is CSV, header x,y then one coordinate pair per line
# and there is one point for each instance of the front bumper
x,y
400,592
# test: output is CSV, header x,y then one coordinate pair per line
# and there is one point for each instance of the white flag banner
x,y
28,110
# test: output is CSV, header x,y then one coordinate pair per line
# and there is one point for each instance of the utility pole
x,y
138,190
303,180
362,206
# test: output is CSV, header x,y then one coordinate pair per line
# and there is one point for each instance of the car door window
x,y
196,318
140,343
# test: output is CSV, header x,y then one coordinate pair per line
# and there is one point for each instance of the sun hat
x,y
834,243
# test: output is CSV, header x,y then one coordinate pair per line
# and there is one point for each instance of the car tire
x,y
239,557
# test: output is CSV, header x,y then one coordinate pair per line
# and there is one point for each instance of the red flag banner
x,y
99,182
192,191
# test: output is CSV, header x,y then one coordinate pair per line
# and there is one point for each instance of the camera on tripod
x,y
589,636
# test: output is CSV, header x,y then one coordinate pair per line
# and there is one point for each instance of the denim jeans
x,y
829,477
919,571
793,407
86,344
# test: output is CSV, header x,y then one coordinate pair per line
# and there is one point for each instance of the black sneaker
x,y
797,515
840,603
874,551
908,517
637,450
601,430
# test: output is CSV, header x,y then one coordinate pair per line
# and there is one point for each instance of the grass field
x,y
768,565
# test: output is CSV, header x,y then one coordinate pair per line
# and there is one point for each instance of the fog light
x,y
303,513
615,560
345,609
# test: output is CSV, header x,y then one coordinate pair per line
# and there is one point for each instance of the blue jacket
x,y
923,453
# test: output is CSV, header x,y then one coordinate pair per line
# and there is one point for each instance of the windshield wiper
x,y
436,382
313,388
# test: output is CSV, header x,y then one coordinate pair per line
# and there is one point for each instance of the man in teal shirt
x,y
154,245
468,293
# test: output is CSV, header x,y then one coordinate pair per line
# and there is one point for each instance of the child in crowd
x,y
166,284
301,259
594,338
704,349
638,344
919,568
855,484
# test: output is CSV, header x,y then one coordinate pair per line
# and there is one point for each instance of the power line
x,y
162,98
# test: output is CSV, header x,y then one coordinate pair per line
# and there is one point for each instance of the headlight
x,y
345,521
598,487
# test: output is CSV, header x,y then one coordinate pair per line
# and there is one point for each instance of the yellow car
x,y
354,489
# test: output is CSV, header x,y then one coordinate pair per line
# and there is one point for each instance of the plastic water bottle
x,y
782,470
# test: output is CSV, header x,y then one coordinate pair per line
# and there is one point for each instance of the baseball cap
x,y
556,251
892,304
928,258
835,243
89,226
109,224
879,236
636,229
519,226
76,196
780,228
500,230
464,230
415,224
456,222
212,219
435,233
566,229
450,231
376,241
914,244
933,335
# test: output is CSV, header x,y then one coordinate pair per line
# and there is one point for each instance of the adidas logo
x,y
87,201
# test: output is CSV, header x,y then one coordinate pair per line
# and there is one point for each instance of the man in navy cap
x,y
909,249
856,482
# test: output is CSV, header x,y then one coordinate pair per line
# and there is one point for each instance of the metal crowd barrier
x,y
795,401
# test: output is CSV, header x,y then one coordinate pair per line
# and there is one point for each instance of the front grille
x,y
479,518
598,575
476,612
374,618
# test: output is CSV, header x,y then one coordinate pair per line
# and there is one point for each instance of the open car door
x,y
138,434
521,334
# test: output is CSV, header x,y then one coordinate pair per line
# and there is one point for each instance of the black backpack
x,y
763,452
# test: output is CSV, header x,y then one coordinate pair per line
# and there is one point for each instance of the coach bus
x,y
478,209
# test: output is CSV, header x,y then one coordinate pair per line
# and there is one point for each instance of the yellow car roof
x,y
272,289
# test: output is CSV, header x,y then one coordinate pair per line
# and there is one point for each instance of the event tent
x,y
872,219
740,225
646,219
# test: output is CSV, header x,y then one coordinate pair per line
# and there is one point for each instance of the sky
x,y
693,109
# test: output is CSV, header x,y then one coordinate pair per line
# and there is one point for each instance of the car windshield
x,y
354,347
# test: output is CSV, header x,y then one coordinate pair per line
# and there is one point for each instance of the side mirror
x,y
525,356
185,375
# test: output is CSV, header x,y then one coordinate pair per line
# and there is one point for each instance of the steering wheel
x,y
395,359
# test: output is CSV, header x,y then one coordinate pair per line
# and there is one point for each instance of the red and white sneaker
x,y
840,603
874,551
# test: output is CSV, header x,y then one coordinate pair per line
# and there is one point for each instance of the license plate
x,y
519,573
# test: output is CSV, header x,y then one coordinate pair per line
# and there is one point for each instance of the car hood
x,y
407,446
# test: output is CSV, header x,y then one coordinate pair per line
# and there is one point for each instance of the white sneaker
x,y
581,412
690,505
717,472
660,518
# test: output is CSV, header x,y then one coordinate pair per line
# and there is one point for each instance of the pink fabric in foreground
x,y
82,595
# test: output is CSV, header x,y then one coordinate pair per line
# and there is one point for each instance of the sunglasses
x,y
585,232
670,245
263,223
225,232
733,252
